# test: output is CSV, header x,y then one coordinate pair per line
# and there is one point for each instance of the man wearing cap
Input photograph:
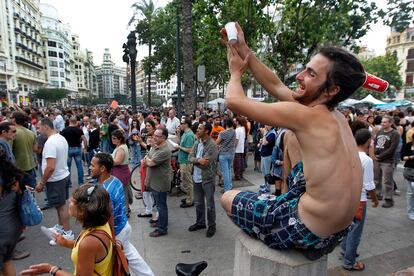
x,y
185,147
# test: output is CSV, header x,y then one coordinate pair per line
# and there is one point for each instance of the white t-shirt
x,y
85,133
56,147
142,127
240,137
172,125
409,118
368,174
59,123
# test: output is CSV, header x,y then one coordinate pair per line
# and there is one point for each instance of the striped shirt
x,y
116,193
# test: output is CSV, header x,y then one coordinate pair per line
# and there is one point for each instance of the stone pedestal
x,y
254,258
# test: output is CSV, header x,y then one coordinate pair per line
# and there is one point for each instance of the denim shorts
x,y
276,221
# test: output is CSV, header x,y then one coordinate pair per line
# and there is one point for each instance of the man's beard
x,y
306,100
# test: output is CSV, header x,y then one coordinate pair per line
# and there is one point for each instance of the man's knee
x,y
227,200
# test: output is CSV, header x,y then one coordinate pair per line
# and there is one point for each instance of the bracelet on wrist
x,y
54,270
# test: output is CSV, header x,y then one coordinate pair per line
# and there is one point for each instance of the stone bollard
x,y
254,258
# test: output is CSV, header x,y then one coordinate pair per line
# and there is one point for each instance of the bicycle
x,y
175,179
136,178
194,269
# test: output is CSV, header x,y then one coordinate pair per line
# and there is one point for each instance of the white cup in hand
x,y
231,32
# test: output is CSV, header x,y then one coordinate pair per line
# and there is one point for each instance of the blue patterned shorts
x,y
275,220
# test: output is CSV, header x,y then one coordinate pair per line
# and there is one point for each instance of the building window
x,y
52,54
54,73
410,54
53,63
62,74
60,55
51,43
409,80
410,66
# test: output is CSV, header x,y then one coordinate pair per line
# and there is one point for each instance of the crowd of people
x,y
319,166
212,146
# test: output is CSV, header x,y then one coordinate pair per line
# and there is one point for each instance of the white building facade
x,y
59,52
22,62
402,44
111,79
142,81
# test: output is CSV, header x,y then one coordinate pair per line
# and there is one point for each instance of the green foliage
x,y
399,14
281,32
385,67
156,100
51,94
143,13
144,28
299,27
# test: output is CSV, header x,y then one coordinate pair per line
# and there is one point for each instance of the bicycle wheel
x,y
136,179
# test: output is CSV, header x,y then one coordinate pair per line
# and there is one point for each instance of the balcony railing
x,y
22,59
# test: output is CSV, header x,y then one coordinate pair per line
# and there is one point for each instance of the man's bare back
x,y
332,172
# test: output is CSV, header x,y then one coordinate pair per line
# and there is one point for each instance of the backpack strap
x,y
120,255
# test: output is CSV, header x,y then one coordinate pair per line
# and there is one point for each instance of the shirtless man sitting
x,y
314,216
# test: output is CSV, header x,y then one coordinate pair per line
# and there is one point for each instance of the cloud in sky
x,y
103,24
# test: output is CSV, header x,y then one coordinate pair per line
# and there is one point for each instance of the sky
x,y
103,24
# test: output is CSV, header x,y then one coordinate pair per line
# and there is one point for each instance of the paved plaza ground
x,y
387,244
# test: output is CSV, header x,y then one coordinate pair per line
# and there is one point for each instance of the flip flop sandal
x,y
358,266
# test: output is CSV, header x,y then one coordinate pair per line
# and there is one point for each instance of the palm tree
x,y
188,76
147,10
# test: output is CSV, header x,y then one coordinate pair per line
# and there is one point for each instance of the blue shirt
x,y
5,147
116,193
197,177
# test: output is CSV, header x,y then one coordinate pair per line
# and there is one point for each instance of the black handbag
x,y
409,174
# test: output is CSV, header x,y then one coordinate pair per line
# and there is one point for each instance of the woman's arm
x,y
44,268
119,157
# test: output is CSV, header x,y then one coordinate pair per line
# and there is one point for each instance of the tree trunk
x,y
189,95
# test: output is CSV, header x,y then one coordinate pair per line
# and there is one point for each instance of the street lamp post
x,y
130,55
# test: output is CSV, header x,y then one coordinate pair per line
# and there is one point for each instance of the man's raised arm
x,y
266,77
